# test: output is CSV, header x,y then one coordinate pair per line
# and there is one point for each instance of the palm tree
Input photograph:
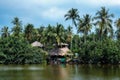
x,y
117,23
59,33
73,15
97,36
5,32
49,35
85,25
41,30
104,22
69,36
28,32
35,35
17,28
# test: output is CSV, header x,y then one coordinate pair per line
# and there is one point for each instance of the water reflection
x,y
59,72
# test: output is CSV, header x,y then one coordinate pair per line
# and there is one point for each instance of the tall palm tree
x,y
73,15
5,32
49,35
69,36
41,30
28,32
17,29
117,23
104,22
85,25
59,33
35,35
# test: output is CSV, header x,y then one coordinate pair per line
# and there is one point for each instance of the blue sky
x,y
44,12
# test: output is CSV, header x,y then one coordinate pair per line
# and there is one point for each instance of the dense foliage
x,y
99,46
18,51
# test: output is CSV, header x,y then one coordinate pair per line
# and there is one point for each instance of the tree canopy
x,y
99,46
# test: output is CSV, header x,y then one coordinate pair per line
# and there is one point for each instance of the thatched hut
x,y
37,44
59,53
64,51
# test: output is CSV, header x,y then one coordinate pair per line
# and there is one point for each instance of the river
x,y
60,72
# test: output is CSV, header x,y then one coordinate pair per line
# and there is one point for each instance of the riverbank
x,y
59,72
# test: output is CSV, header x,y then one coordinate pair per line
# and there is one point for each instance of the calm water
x,y
59,72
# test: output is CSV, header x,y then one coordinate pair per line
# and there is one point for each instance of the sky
x,y
44,12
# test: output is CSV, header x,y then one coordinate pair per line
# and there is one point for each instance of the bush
x,y
17,51
104,52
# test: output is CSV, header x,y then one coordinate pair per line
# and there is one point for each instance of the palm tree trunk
x,y
85,34
71,38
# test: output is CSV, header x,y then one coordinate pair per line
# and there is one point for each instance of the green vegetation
x,y
97,40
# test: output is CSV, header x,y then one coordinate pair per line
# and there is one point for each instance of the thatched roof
x,y
37,44
60,51
61,44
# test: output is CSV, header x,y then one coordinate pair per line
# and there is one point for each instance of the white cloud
x,y
99,2
112,2
24,3
49,2
53,13
51,10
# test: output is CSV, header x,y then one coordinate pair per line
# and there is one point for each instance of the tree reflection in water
x,y
59,72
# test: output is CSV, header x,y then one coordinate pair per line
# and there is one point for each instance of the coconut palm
x,y
41,30
85,25
104,22
59,33
17,27
5,32
35,35
73,15
117,23
28,32
69,33
69,36
49,35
